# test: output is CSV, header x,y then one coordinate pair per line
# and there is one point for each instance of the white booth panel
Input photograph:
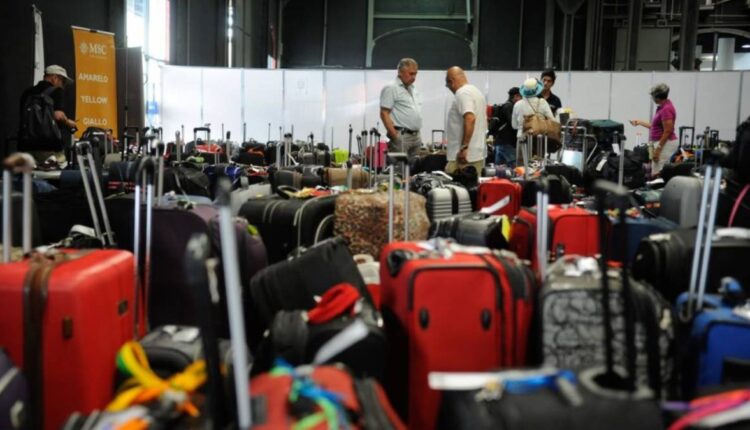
x,y
303,103
718,103
436,100
375,80
682,88
345,105
181,100
222,101
500,83
263,103
745,94
589,97
563,88
630,100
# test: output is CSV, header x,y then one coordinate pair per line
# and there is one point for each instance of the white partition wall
x,y
303,103
718,100
182,101
344,96
263,103
316,100
222,104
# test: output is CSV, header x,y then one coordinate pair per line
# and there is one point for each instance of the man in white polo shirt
x,y
401,110
466,123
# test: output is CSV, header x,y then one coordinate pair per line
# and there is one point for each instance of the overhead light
x,y
746,46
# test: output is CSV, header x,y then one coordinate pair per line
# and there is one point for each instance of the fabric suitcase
x,y
604,131
664,260
293,178
14,395
571,320
494,191
680,200
429,162
718,347
357,404
475,229
293,284
570,173
361,218
286,224
636,230
169,301
336,176
81,309
573,231
429,332
606,165
446,201
544,406
559,190
671,170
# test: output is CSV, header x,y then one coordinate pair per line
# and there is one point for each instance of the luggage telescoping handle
x,y
703,240
604,188
160,151
126,146
621,162
145,172
393,159
542,225
234,303
349,154
23,163
84,148
204,289
206,130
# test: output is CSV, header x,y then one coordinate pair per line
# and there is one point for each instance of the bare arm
x,y
469,122
385,116
637,122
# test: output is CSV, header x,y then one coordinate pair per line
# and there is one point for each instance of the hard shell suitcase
x,y
79,305
446,201
453,311
680,200
635,230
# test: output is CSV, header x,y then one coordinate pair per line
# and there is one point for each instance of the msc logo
x,y
92,48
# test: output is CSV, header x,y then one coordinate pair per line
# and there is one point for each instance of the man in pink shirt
x,y
662,139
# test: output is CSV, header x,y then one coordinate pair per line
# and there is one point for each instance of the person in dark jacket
x,y
548,79
504,134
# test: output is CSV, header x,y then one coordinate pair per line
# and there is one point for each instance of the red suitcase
x,y
63,316
466,312
572,230
495,190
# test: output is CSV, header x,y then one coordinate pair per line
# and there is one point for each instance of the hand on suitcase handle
x,y
20,162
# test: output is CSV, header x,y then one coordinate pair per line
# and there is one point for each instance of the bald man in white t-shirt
x,y
466,123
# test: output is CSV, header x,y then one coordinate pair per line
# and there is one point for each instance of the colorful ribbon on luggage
x,y
331,409
131,360
707,406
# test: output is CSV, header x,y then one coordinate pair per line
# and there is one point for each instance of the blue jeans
x,y
505,154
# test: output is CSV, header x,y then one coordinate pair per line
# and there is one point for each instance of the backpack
x,y
39,131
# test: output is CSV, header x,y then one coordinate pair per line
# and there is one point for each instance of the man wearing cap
x,y
505,138
55,80
466,124
401,110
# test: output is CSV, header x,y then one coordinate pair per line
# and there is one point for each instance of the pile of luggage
x,y
288,284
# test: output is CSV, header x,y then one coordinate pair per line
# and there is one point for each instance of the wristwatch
x,y
464,147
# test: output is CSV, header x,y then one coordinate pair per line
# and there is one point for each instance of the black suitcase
x,y
474,229
560,191
664,260
286,224
293,284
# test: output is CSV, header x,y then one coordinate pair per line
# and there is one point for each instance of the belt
x,y
406,130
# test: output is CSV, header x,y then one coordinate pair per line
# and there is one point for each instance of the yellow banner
x,y
96,80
